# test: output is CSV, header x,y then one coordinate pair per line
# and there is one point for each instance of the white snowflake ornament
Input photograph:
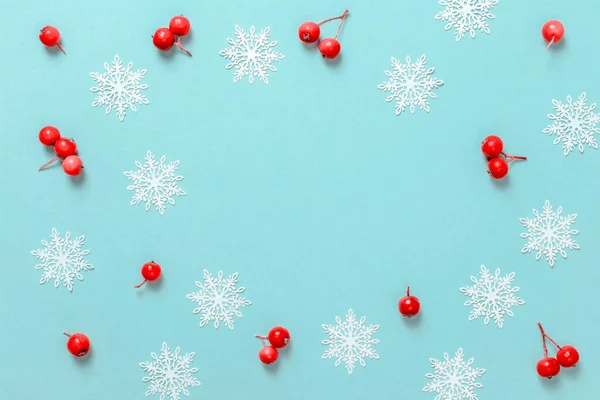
x,y
549,233
119,88
170,374
410,85
574,124
62,260
492,296
350,341
251,54
219,299
453,378
155,183
467,16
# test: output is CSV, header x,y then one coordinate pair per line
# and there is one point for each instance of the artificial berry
x,y
78,344
163,39
567,356
268,354
492,146
65,147
150,272
309,32
409,306
553,31
49,135
278,337
548,367
498,168
330,48
72,165
50,37
179,25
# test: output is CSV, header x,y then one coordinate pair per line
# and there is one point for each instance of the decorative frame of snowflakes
x,y
453,378
410,84
492,296
251,54
350,341
62,259
466,16
219,299
155,183
119,88
549,233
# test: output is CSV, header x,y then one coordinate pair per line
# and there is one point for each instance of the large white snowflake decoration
x,y
574,124
410,84
466,16
549,233
251,54
219,299
350,341
155,183
453,378
62,260
119,88
170,374
492,296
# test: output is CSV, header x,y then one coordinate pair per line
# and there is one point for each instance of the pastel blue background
x,y
310,187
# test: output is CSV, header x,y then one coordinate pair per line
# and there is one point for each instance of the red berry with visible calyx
x,y
50,37
163,39
278,337
553,31
78,344
268,354
72,165
492,146
309,32
409,306
567,356
180,25
65,147
49,135
548,367
498,168
150,271
330,48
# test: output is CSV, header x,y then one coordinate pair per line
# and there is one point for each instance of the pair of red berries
x,y
309,32
278,338
553,31
492,147
409,306
65,150
165,38
78,344
151,272
566,357
50,37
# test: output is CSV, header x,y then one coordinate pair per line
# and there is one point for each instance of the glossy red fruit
x,y
268,354
548,367
409,306
498,168
278,337
567,356
179,25
330,48
553,31
163,39
50,36
492,146
49,135
65,147
309,32
72,165
78,344
150,271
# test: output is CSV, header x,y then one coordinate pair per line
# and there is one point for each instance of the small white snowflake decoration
x,y
549,233
492,296
466,16
251,54
453,378
219,299
350,341
574,124
155,183
119,88
410,84
170,374
62,260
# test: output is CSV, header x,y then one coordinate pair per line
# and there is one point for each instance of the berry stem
x,y
553,342
65,333
141,284
344,16
61,48
49,162
333,19
543,340
178,43
512,158
262,339
408,291
550,43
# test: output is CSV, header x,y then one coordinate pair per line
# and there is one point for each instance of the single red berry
x,y
492,146
309,32
150,272
49,135
567,356
163,39
78,344
278,337
179,25
548,367
65,147
409,306
72,165
268,354
330,48
498,168
50,36
553,31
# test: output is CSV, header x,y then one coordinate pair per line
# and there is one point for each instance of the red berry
x,y
65,147
150,272
409,306
163,39
72,165
268,354
492,146
567,356
180,25
50,36
330,48
498,168
49,135
78,344
548,367
553,31
309,32
279,337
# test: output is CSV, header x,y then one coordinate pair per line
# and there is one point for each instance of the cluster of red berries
x,y
553,31
150,271
409,306
566,357
50,37
492,147
65,150
278,338
309,32
165,38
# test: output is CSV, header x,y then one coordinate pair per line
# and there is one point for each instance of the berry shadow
x,y
572,372
551,385
335,62
150,286
54,51
272,368
86,360
311,47
79,179
501,184
555,46
413,323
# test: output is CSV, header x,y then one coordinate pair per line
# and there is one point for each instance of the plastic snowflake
x,y
574,124
549,233
219,299
155,183
467,16
62,260
350,341
410,85
454,379
492,296
170,374
251,54
119,88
